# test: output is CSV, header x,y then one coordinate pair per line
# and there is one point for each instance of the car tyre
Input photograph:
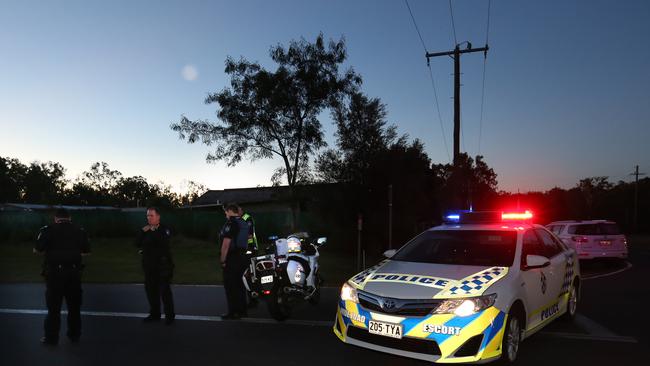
x,y
511,339
572,303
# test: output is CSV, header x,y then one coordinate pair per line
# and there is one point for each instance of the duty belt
x,y
65,266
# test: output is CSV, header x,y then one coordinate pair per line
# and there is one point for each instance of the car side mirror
x,y
390,253
321,241
536,261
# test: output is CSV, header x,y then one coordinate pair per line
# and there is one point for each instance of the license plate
x,y
385,329
266,279
605,243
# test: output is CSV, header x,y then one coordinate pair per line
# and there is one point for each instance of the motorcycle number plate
x,y
385,329
266,279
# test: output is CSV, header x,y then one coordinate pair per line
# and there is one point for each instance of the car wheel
x,y
572,304
511,340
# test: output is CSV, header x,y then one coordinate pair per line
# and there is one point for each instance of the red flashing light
x,y
516,216
267,292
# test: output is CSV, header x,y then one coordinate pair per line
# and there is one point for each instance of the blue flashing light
x,y
453,217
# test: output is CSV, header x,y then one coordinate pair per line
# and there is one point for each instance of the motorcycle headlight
x,y
467,306
349,293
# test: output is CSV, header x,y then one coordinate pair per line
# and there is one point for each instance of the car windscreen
x,y
462,247
595,229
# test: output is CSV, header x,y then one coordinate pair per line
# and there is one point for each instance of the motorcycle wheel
x,y
315,298
278,307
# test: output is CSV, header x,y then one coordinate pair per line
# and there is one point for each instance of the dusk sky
x,y
567,91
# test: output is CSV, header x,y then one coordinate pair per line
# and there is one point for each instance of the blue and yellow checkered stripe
x,y
489,322
568,273
473,285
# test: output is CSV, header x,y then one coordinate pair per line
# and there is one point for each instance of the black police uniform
x,y
158,269
236,230
63,243
252,237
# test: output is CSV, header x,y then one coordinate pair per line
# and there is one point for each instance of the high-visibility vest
x,y
252,238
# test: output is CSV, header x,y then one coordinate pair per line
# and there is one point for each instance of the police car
x,y
467,291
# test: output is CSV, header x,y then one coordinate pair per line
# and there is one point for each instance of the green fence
x,y
199,224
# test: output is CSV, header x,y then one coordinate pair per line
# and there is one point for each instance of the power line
x,y
442,128
480,125
453,24
433,83
416,25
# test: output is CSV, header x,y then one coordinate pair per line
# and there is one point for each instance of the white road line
x,y
596,331
628,266
205,318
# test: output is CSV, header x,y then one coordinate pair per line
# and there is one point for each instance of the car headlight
x,y
349,293
466,306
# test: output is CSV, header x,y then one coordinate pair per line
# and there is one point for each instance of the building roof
x,y
243,195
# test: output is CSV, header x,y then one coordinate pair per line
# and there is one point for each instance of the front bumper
x,y
478,340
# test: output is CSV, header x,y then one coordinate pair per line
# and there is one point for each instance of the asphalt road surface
x,y
611,329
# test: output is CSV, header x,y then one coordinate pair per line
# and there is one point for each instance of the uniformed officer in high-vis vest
x,y
234,261
252,238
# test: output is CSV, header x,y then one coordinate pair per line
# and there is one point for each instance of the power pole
x,y
636,196
455,54
390,216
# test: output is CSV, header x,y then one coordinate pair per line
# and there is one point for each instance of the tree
x,y
44,183
163,196
469,182
95,186
193,190
593,189
133,191
12,179
265,114
362,134
101,177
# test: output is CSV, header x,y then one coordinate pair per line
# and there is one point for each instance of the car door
x,y
535,280
556,272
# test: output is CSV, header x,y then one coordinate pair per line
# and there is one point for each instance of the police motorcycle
x,y
287,274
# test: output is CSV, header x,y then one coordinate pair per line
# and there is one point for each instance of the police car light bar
x,y
516,216
485,217
453,217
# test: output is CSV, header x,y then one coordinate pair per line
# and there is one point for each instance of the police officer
x,y
234,242
251,249
63,244
153,241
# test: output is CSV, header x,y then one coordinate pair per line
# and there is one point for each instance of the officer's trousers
x,y
234,285
157,285
63,283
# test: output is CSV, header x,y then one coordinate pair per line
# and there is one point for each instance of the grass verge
x,y
116,260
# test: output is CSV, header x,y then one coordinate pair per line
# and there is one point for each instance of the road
x,y
611,329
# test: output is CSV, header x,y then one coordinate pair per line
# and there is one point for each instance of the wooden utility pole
x,y
390,216
636,197
455,54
